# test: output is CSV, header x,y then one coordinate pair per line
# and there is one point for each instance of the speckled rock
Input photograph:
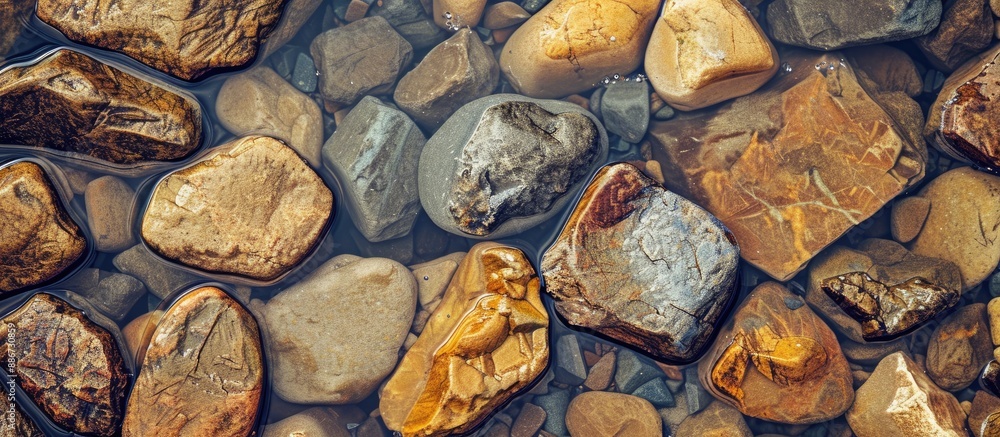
x,y
835,25
716,420
984,405
17,424
959,348
966,28
362,58
109,202
608,413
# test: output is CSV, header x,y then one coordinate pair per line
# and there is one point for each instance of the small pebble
x,y
304,76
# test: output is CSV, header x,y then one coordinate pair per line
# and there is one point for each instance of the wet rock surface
x,y
959,348
966,28
605,413
836,25
11,13
109,202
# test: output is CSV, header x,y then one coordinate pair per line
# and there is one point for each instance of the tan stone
x,y
433,276
891,68
558,51
38,240
529,421
601,413
716,420
456,14
487,340
908,216
294,16
702,53
504,14
316,422
216,391
136,333
993,309
251,208
109,202
261,102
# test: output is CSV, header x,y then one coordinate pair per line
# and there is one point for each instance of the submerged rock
x,y
607,413
966,28
12,14
109,202
17,424
836,25
959,348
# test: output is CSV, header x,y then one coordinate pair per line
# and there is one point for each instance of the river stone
x,y
959,348
368,302
966,28
674,266
361,58
606,413
161,278
504,14
68,365
216,391
455,72
295,15
12,13
374,154
793,166
410,19
39,240
251,208
70,104
452,15
624,107
109,213
461,368
261,102
836,25
899,400
777,361
188,39
317,422
716,420
114,294
506,163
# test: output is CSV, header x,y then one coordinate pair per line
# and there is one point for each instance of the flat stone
x,y
559,51
632,372
374,154
983,406
555,404
452,15
777,363
109,202
160,278
504,14
716,420
111,117
356,10
670,288
966,28
483,175
411,21
261,102
453,73
188,39
68,365
115,294
836,25
251,208
624,108
673,417
900,400
702,53
656,392
908,217
317,422
216,391
434,276
341,296
600,374
39,239
607,413
569,366
529,421
361,58
783,168
461,368
959,348
890,68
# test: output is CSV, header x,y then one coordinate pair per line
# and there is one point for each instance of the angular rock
x,y
696,397
433,277
411,21
295,15
778,361
966,28
216,391
317,422
642,265
261,102
462,367
656,392
836,25
39,240
607,413
959,348
455,72
505,163
362,58
625,109
72,105
159,277
600,374
792,167
188,39
555,405
891,69
703,53
109,202
68,365
569,45
342,297
716,420
374,154
251,208
529,421
631,372
899,400
569,366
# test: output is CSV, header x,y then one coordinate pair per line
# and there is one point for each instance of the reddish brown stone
x,y
959,348
966,28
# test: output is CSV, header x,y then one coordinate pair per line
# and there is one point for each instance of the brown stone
x,y
793,166
601,413
109,202
317,422
70,104
888,67
38,240
983,406
504,14
356,10
716,420
216,391
778,361
642,265
295,15
529,421
188,39
959,348
456,14
966,28
136,333
600,374
251,208
12,13
68,365
362,58
487,340
908,217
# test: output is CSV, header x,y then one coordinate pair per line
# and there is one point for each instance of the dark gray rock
x,y
374,154
115,294
555,404
506,163
411,21
632,372
304,74
697,397
533,5
835,25
570,368
160,278
656,392
624,108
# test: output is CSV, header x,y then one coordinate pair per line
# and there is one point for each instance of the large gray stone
x,y
411,21
832,25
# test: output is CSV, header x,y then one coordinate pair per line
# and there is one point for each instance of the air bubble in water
x,y
786,67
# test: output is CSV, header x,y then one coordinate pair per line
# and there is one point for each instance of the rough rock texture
x,y
962,121
642,265
966,28
114,294
716,420
569,45
793,166
959,348
455,72
317,422
17,424
487,340
369,304
899,400
70,104
702,53
186,38
506,163
362,58
778,361
68,365
374,154
12,14
251,208
216,391
261,102
607,413
109,213
38,240
835,25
